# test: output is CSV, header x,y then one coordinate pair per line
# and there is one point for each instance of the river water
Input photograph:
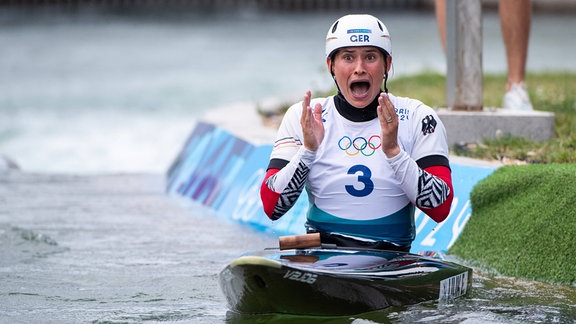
x,y
115,249
94,106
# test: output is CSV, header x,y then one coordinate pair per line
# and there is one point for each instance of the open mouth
x,y
360,89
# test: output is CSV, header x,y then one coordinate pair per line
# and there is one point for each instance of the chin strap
x,y
385,79
336,83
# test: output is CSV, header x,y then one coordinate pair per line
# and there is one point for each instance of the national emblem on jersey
x,y
428,125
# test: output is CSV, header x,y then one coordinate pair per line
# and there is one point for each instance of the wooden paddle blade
x,y
299,241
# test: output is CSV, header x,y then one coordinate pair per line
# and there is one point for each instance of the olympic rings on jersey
x,y
360,145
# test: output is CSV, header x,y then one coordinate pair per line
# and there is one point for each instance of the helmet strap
x,y
386,55
385,79
336,83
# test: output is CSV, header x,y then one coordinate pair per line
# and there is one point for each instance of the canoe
x,y
334,281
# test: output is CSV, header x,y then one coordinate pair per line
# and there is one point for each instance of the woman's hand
x,y
311,122
389,125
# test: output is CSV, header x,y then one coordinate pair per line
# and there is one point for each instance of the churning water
x,y
95,106
116,249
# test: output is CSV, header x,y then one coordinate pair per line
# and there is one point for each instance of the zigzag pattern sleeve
x,y
280,190
292,191
432,191
432,194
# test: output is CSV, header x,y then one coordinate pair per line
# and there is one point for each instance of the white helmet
x,y
358,30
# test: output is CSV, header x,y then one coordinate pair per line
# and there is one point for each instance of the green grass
x,y
551,91
524,223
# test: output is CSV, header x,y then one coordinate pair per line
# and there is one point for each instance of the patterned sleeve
x,y
288,168
425,174
282,187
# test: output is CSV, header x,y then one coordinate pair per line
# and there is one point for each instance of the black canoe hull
x,y
337,282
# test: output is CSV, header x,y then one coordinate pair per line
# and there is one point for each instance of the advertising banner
x,y
224,173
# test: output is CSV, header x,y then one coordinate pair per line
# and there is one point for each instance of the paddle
x,y
299,241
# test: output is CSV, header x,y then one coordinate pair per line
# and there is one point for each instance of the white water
x,y
95,92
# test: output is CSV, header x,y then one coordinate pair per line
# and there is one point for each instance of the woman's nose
x,y
359,68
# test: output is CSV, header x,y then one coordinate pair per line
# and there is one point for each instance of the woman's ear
x,y
388,63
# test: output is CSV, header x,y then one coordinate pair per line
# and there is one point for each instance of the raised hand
x,y
389,125
311,122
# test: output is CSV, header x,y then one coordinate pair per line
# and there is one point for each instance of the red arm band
x,y
269,198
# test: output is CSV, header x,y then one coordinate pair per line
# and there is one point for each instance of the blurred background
x,y
116,86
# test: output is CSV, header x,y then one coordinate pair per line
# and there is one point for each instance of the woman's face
x,y
359,73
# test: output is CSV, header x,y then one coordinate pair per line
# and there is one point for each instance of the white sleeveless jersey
x,y
350,178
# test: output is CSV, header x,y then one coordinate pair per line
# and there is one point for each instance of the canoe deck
x,y
338,282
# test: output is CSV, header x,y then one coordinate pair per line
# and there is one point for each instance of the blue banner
x,y
224,173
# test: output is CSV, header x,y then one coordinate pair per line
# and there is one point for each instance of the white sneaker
x,y
517,98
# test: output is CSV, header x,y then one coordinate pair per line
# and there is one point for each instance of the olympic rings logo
x,y
358,145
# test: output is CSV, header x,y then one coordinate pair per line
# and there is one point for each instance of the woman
x,y
365,157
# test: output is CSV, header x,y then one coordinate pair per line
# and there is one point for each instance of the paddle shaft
x,y
299,241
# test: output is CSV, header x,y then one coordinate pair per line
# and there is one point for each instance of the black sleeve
x,y
432,160
277,164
